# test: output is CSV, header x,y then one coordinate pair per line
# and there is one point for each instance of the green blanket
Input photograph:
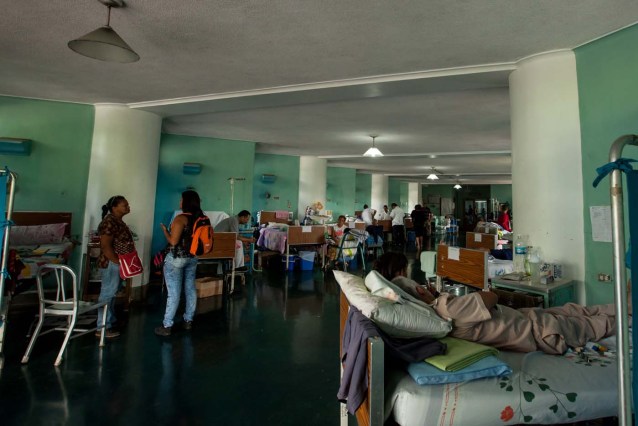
x,y
460,354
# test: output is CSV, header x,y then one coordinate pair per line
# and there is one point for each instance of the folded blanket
x,y
426,374
460,353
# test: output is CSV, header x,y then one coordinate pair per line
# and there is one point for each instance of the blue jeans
x,y
176,271
110,286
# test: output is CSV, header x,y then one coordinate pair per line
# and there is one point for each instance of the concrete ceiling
x,y
312,77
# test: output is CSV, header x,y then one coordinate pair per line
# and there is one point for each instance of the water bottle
x,y
520,252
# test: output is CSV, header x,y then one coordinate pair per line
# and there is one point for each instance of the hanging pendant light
x,y
373,151
457,186
433,176
104,43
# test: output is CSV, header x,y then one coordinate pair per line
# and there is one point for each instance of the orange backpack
x,y
202,237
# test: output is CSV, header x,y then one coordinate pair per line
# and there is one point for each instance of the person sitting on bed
x,y
336,234
231,224
477,316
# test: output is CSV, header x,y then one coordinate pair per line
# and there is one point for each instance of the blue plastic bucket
x,y
291,262
307,260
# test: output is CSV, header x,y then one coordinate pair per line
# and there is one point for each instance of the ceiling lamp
x,y
433,176
373,151
457,186
104,43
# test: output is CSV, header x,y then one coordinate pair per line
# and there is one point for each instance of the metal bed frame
x,y
4,301
620,297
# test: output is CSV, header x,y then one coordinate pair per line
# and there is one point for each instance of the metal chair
x,y
63,305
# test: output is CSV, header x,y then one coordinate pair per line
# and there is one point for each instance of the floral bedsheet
x,y
543,389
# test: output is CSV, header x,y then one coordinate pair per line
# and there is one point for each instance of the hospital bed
x,y
223,250
542,389
282,239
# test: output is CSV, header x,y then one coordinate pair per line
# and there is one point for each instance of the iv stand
x,y
232,181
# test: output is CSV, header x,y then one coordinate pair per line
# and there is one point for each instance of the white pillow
x,y
406,316
358,295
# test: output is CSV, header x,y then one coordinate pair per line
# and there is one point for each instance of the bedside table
x,y
555,294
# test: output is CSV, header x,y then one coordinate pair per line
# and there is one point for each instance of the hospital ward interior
x,y
318,213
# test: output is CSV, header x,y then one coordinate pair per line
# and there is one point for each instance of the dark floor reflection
x,y
267,357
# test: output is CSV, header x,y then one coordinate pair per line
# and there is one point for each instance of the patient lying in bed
x,y
477,316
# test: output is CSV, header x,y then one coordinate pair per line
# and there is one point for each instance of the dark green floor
x,y
269,356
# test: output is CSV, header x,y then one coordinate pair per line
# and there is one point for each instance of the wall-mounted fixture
x,y
15,146
373,151
192,168
104,43
268,178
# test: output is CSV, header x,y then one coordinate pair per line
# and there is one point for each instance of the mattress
x,y
543,389
34,256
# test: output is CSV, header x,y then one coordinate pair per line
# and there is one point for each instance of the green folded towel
x,y
460,354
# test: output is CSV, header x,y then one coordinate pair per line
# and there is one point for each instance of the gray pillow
x,y
406,316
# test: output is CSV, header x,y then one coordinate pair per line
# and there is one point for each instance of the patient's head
x,y
392,265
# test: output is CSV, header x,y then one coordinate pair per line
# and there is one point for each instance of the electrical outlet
x,y
604,277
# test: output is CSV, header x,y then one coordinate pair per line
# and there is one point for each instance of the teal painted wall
x,y
503,193
363,191
394,192
220,160
54,177
284,191
340,191
398,193
607,90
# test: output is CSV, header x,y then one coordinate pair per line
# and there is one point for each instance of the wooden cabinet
x,y
93,278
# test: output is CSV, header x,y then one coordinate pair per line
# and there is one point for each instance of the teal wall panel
x,y
284,191
607,90
54,177
503,193
363,191
340,191
394,192
220,160
398,193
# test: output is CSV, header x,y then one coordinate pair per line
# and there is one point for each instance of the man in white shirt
x,y
385,214
366,215
398,228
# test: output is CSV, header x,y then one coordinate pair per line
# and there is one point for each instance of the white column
x,y
379,192
312,182
414,195
124,161
547,181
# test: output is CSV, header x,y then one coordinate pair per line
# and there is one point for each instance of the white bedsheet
x,y
541,387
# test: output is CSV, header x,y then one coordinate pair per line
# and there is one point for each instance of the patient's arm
x,y
424,294
489,299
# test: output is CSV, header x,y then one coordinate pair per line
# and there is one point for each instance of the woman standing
x,y
504,218
115,238
180,265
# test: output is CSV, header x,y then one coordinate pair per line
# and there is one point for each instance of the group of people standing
x,y
421,222
179,264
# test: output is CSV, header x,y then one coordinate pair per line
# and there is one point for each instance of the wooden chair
x,y
66,303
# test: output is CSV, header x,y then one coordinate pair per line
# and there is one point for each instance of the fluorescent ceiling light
x,y
373,151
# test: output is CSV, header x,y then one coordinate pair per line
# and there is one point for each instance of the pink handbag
x,y
130,265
